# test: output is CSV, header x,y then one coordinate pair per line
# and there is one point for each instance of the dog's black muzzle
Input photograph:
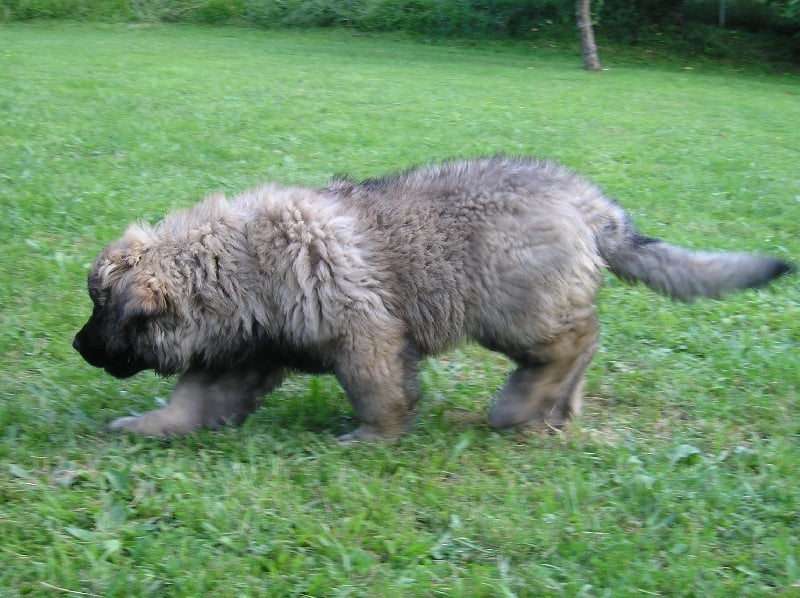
x,y
119,366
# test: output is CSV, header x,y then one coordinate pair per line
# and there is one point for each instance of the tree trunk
x,y
583,11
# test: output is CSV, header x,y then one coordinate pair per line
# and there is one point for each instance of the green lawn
x,y
680,479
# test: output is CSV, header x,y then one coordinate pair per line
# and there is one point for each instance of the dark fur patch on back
x,y
640,240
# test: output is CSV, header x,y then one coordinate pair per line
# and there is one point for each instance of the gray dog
x,y
361,279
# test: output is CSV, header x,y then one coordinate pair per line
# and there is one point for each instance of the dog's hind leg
x,y
205,399
547,386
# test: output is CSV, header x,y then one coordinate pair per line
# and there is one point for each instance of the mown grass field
x,y
681,479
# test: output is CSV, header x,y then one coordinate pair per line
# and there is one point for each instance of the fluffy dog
x,y
361,279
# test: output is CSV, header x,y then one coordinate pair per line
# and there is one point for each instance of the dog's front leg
x,y
205,399
380,379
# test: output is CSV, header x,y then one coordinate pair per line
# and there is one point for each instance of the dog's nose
x,y
76,344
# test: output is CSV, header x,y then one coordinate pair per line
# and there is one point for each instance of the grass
x,y
680,479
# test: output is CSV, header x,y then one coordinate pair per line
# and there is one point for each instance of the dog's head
x,y
132,301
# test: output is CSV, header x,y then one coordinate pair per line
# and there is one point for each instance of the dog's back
x,y
447,203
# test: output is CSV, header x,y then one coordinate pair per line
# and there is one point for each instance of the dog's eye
x,y
97,300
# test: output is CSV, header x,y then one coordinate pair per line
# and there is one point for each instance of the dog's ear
x,y
123,255
147,296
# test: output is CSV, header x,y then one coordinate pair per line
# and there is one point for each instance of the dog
x,y
362,279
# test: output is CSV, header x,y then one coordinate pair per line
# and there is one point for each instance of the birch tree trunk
x,y
583,11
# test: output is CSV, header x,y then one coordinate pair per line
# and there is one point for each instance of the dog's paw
x,y
160,423
139,425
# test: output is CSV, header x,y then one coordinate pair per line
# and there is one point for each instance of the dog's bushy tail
x,y
680,273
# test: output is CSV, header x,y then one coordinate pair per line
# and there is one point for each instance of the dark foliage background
x,y
772,27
